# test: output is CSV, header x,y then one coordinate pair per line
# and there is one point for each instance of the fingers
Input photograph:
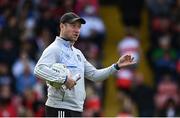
x,y
77,77
132,59
127,64
129,58
126,58
72,81
72,85
75,82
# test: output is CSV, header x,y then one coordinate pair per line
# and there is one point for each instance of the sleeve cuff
x,y
116,66
65,80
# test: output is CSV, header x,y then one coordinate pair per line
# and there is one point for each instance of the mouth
x,y
75,35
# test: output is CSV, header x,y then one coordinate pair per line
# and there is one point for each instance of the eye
x,y
73,25
79,25
76,25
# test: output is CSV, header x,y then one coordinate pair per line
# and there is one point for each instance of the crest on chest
x,y
78,57
67,56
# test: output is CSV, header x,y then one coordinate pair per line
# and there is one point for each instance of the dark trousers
x,y
58,112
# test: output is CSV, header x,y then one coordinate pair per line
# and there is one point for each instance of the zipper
x,y
63,95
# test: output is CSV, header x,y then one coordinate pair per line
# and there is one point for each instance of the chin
x,y
75,39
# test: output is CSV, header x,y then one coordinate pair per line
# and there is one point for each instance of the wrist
x,y
116,66
65,80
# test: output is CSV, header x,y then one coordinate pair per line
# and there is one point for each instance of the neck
x,y
66,39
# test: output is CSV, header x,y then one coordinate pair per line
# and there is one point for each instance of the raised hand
x,y
126,60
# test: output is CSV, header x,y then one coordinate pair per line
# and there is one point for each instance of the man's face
x,y
71,31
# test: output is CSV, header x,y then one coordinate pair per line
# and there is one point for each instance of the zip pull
x,y
63,95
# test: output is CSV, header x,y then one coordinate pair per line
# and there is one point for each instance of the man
x,y
69,102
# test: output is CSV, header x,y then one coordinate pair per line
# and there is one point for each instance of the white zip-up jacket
x,y
61,51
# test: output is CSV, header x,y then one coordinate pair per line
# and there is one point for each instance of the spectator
x,y
127,109
129,44
163,58
7,51
159,7
171,109
166,89
92,103
19,65
94,30
131,12
25,80
142,95
7,108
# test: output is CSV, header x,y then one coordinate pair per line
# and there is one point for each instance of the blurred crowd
x,y
27,27
163,56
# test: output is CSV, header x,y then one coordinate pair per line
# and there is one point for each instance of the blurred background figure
x,y
130,44
131,12
127,109
170,109
163,58
8,107
92,104
140,94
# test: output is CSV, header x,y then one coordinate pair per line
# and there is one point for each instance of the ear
x,y
61,26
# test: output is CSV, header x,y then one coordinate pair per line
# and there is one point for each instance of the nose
x,y
77,30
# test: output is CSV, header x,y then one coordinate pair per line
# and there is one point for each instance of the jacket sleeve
x,y
94,74
43,68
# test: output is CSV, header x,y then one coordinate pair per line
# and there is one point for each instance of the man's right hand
x,y
70,82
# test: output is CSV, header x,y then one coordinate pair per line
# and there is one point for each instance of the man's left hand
x,y
126,60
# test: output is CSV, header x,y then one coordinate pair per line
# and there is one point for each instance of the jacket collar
x,y
66,43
